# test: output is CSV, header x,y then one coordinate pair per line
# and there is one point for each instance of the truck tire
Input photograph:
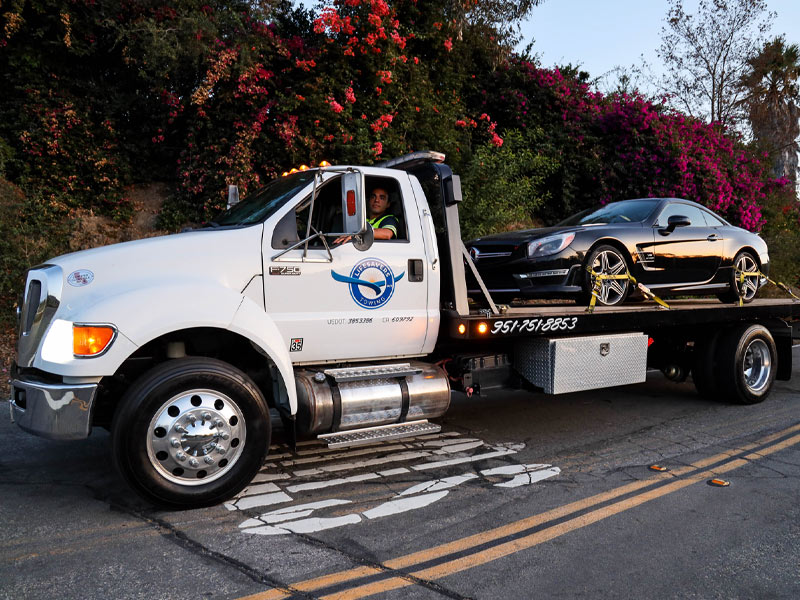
x,y
704,367
191,432
746,359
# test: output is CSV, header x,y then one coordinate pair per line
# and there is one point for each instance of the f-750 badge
x,y
284,270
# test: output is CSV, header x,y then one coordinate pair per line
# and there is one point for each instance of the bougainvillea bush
x,y
205,93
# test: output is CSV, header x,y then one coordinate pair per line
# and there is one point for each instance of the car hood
x,y
514,238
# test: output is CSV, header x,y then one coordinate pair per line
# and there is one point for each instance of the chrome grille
x,y
42,298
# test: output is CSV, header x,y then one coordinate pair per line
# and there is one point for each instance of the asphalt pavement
x,y
519,496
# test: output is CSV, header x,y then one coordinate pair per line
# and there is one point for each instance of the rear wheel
x,y
746,364
191,432
609,261
747,289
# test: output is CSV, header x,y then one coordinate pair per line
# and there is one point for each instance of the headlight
x,y
552,244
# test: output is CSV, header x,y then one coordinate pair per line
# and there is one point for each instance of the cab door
x,y
340,303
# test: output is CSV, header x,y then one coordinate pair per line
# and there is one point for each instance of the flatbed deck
x,y
553,320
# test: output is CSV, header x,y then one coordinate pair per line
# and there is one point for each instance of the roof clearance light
x,y
91,340
285,173
324,163
293,171
303,168
482,327
462,329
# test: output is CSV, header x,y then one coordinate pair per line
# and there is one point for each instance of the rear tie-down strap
x,y
598,279
741,277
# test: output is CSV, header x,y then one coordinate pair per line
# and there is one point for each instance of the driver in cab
x,y
384,225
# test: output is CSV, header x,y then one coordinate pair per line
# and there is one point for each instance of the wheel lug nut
x,y
206,416
224,435
193,462
180,456
175,443
192,419
221,449
180,429
218,422
209,460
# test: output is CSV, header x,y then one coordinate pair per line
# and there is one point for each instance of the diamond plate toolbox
x,y
572,364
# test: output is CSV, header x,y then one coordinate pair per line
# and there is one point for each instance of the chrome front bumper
x,y
54,411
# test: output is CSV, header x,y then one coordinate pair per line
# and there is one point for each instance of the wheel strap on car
x,y
598,283
741,275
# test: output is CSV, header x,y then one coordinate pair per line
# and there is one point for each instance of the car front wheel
x,y
745,288
612,289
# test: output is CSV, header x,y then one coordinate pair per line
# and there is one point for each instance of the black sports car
x,y
674,247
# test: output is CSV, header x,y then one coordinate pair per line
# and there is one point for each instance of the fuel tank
x,y
343,399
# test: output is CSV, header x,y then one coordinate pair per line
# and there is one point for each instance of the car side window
x,y
694,214
713,220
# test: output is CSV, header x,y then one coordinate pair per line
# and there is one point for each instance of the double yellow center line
x,y
687,475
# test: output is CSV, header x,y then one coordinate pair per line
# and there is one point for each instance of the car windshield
x,y
265,201
628,211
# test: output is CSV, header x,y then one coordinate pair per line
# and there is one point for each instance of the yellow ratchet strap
x,y
780,285
599,277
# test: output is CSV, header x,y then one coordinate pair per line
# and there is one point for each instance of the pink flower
x,y
448,44
377,149
335,106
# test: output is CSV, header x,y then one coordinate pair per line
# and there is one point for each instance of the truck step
x,y
371,372
368,435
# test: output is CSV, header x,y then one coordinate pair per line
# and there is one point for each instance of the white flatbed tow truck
x,y
180,345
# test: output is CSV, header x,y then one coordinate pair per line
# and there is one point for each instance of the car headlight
x,y
552,244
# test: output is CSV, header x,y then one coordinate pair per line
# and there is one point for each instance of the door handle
x,y
713,237
416,271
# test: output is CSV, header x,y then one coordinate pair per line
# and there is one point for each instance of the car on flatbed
x,y
675,247
181,345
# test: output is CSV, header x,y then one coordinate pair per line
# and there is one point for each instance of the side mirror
x,y
233,195
353,205
675,221
363,241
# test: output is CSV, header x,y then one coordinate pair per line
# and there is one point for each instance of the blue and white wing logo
x,y
371,282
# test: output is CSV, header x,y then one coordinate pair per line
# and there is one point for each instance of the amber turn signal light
x,y
482,327
462,329
91,340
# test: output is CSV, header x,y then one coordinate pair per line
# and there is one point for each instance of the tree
x,y
772,102
706,55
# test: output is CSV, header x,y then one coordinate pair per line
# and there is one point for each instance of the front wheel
x,y
606,261
191,432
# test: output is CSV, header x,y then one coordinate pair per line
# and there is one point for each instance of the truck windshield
x,y
265,201
628,211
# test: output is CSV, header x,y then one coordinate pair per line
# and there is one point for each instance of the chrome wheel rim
x,y
757,366
196,437
612,291
746,289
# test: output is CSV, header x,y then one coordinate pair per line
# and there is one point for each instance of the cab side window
x,y
395,207
694,214
327,217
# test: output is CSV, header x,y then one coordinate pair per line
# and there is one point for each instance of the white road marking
x,y
438,484
393,507
318,485
443,450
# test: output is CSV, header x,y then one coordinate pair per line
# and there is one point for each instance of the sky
x,y
600,35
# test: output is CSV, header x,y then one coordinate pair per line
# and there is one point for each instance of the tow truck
x,y
181,345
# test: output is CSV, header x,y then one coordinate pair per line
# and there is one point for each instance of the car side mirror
x,y
233,195
675,221
353,204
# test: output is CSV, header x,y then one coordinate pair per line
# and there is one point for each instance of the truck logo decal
x,y
371,282
80,278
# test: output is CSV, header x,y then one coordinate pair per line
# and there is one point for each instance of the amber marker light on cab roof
x,y
91,340
482,327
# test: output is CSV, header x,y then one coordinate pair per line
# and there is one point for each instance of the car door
x,y
685,255
342,303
